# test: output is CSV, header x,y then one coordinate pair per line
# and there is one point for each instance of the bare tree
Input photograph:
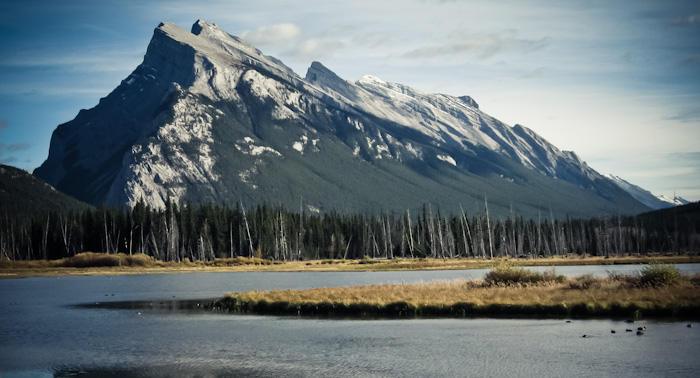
x,y
488,227
247,229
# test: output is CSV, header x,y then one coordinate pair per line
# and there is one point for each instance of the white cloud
x,y
316,49
273,34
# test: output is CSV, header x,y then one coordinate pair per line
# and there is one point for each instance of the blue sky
x,y
618,82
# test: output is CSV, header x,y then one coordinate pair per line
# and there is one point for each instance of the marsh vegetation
x,y
656,290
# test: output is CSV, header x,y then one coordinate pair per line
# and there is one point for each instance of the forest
x,y
186,232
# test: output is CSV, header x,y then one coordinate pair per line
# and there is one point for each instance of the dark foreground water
x,y
43,334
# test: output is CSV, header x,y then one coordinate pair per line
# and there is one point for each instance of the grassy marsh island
x,y
658,290
89,263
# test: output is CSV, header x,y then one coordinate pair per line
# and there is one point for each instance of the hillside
x,y
23,195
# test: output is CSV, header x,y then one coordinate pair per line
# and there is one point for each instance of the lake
x,y
44,334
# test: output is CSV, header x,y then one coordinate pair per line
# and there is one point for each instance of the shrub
x,y
656,275
139,259
91,259
512,275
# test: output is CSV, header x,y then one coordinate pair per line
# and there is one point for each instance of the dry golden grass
x,y
603,296
90,263
110,264
608,292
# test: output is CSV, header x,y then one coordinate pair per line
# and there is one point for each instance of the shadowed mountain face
x,y
208,118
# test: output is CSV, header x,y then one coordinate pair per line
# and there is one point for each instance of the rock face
x,y
208,118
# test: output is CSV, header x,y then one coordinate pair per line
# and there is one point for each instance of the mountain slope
x,y
646,197
23,195
208,118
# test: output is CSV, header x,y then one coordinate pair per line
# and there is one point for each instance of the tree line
x,y
177,233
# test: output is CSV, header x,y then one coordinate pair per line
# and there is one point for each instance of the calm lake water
x,y
43,334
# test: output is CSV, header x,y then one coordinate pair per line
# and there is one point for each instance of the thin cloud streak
x,y
8,160
692,19
484,46
92,61
17,147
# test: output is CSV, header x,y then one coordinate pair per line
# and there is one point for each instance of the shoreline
x,y
146,265
403,310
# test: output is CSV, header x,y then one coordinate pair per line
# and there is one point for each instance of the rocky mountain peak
x,y
203,26
207,117
469,101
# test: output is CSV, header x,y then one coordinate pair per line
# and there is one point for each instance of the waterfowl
x,y
585,336
629,320
640,333
612,331
641,328
628,330
690,325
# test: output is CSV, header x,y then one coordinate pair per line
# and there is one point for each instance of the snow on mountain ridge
x,y
645,196
675,201
455,120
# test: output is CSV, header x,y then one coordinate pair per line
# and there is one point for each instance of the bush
x,y
91,260
139,259
99,260
656,275
512,275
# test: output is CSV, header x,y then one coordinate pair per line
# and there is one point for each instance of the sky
x,y
617,82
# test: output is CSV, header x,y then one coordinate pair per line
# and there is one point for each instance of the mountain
x,y
207,117
646,197
23,195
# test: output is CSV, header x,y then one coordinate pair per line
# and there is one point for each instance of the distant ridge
x,y
646,197
23,195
